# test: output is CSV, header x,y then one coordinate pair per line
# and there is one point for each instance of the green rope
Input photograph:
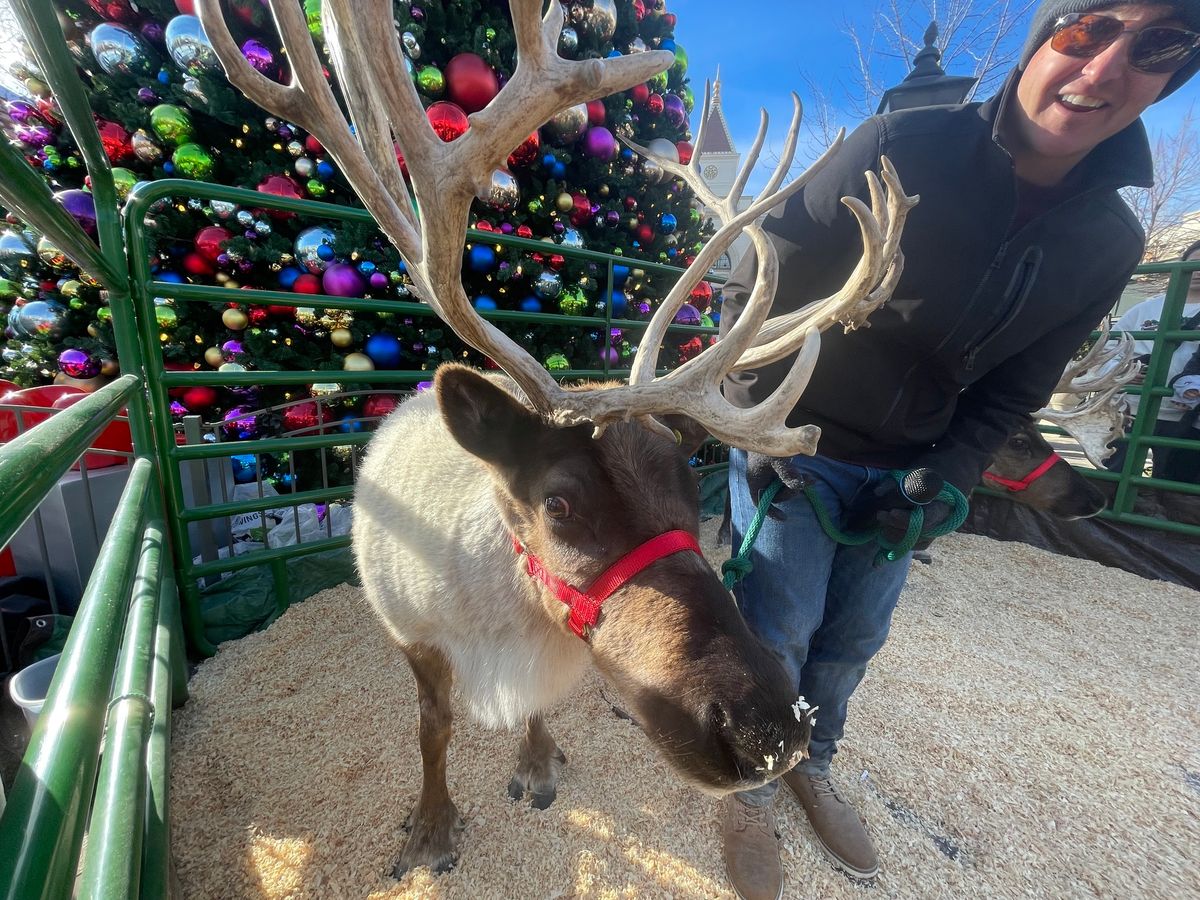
x,y
737,568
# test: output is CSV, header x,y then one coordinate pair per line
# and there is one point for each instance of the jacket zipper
x,y
1030,263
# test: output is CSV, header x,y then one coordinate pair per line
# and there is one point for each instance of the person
x,y
1176,416
1019,246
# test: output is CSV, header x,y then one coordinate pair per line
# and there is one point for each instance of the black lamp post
x,y
927,84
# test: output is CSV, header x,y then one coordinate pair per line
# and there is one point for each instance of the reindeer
x,y
484,506
1091,408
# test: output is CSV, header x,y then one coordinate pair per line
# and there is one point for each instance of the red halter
x,y
1029,479
585,606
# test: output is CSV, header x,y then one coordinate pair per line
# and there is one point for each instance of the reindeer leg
x,y
434,823
539,762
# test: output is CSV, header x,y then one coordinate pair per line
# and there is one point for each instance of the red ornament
x,y
484,225
631,203
557,261
524,231
379,405
280,186
113,10
307,284
209,239
195,264
685,152
527,151
597,114
470,82
117,145
304,416
187,7
313,146
654,104
448,120
639,10
670,19
581,210
645,234
701,296
282,311
691,349
400,159
639,93
258,315
199,399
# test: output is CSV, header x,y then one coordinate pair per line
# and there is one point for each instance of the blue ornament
x,y
172,277
620,275
620,304
324,170
325,252
482,258
49,165
549,160
559,170
384,350
350,422
163,76
626,154
531,305
168,167
715,315
245,469
288,276
366,267
484,302
672,252
286,481
615,54
401,267
667,44
667,223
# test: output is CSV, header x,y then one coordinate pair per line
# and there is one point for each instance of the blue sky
x,y
767,50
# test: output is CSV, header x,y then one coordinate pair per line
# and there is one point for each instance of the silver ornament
x,y
262,227
189,47
16,254
40,318
652,171
664,149
601,20
568,41
245,218
637,45
568,125
295,148
548,285
503,192
223,209
411,47
144,147
119,51
193,89
572,238
304,166
308,242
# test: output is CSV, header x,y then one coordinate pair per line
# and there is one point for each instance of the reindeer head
x,y
1029,471
585,476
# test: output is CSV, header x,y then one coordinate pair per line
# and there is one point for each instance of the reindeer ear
x,y
485,419
691,433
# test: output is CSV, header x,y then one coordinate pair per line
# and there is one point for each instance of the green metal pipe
x,y
233,508
42,828
264,557
269,445
192,614
32,463
112,866
156,847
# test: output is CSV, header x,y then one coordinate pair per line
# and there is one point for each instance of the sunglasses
x,y
1156,48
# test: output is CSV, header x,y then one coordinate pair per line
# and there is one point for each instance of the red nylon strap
x,y
585,607
1029,479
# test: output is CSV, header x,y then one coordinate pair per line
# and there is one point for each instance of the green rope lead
x,y
737,568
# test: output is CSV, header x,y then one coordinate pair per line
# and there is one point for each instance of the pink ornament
x,y
280,186
597,114
208,241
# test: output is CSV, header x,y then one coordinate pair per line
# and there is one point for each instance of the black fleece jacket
x,y
988,310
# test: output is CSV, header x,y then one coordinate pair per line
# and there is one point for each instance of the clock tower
x,y
719,161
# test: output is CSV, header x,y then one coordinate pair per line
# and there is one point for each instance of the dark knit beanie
x,y
1051,11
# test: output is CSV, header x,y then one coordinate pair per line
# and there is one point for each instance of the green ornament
x,y
166,316
490,34
123,181
312,15
689,99
694,216
681,61
658,83
535,206
193,161
104,314
171,123
706,321
8,289
430,81
315,188
556,362
572,302
76,303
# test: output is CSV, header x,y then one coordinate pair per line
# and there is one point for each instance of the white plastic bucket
x,y
28,688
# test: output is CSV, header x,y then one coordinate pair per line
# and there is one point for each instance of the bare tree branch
x,y
1163,208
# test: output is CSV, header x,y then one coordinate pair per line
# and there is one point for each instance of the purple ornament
x,y
239,426
418,14
82,208
259,56
600,144
153,32
35,135
222,259
687,315
284,132
507,227
178,409
611,354
342,280
612,218
674,111
379,281
232,348
21,112
145,95
77,364
559,227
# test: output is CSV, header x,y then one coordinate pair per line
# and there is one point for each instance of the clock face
x,y
710,172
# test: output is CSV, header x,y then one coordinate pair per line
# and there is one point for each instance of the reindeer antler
x,y
1101,412
446,177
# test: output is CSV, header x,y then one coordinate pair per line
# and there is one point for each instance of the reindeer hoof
x,y
543,801
432,842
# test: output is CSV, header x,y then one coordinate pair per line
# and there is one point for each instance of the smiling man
x,y
1018,248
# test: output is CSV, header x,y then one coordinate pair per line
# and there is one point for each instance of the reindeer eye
x,y
1019,443
557,508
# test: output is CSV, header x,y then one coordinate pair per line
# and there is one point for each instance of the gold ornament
x,y
110,368
358,362
564,202
235,319
213,356
341,337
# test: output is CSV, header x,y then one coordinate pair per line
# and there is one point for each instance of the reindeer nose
x,y
758,746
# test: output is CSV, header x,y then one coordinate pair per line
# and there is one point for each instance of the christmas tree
x,y
164,109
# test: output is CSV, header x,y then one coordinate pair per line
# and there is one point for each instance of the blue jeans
x,y
823,608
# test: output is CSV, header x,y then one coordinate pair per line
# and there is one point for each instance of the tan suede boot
x,y
838,828
751,849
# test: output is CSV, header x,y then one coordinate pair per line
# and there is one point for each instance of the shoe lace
x,y
752,817
824,787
